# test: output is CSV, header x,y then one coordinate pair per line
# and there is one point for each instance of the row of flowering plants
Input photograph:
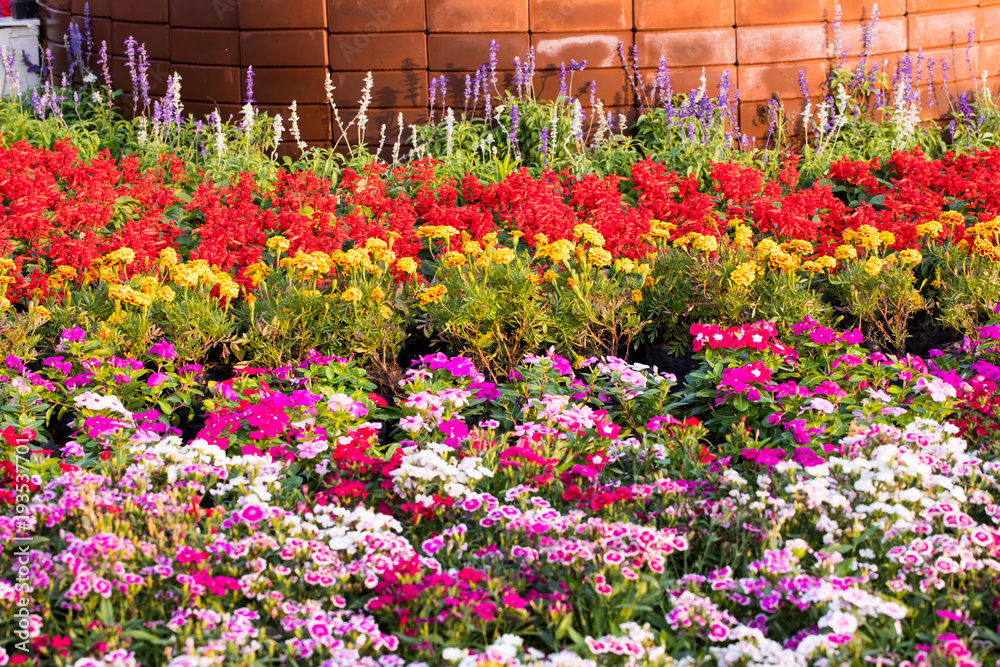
x,y
491,271
802,501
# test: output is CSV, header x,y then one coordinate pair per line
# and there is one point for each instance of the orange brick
x,y
958,64
205,47
599,50
406,88
659,15
378,117
612,86
580,15
916,6
400,50
283,48
314,121
856,10
467,51
279,14
990,23
767,12
687,47
221,85
890,36
685,79
777,44
759,82
478,16
375,16
282,85
941,29
455,89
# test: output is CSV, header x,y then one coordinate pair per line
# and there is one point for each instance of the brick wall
x,y
762,44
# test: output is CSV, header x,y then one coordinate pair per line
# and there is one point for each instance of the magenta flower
x,y
163,349
74,335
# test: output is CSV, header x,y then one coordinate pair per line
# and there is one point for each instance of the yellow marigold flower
x,y
744,274
169,258
982,246
849,235
66,272
377,294
202,269
600,257
256,273
436,232
503,255
250,298
801,246
846,252
588,234
812,266
472,248
6,264
185,276
351,294
951,218
278,244
104,333
453,259
4,303
826,262
550,275
743,236
483,261
534,279
916,299
766,247
118,292
962,246
432,294
705,243
932,229
649,282
165,294
39,314
540,239
661,229
910,256
489,239
887,238
624,265
684,240
229,289
406,265
572,283
869,237
636,296
123,255
873,266
387,256
559,251
781,260
148,284
376,244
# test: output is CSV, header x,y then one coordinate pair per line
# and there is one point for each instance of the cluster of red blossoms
x,y
57,209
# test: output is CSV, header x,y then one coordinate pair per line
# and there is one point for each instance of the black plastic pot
x,y
25,9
